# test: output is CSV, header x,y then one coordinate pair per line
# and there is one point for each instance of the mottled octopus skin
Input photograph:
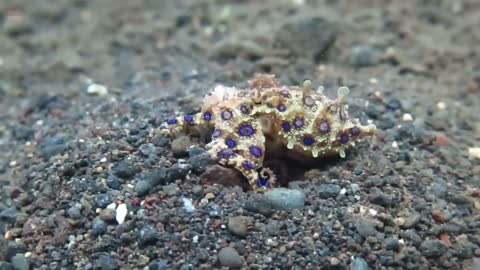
x,y
269,115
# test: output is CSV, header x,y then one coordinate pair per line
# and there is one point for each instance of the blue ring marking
x,y
263,182
255,151
188,119
355,131
246,130
172,121
298,122
281,108
344,138
308,141
324,126
286,126
244,109
224,154
248,166
227,115
207,116
231,143
217,133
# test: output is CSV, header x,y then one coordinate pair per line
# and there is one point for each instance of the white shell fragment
x,y
121,213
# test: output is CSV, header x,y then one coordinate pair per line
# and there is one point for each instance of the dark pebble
x,y
376,196
105,262
365,228
411,220
99,227
150,180
364,56
9,215
392,244
52,146
124,170
433,248
359,264
13,248
286,199
147,235
103,200
74,212
113,182
159,265
195,151
6,266
200,162
22,132
328,191
237,226
411,236
259,204
19,262
394,104
178,171
229,257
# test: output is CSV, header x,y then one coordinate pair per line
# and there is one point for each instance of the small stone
x,y
74,212
171,189
178,171
392,244
19,262
6,266
159,265
124,170
237,225
259,204
378,197
99,227
113,182
217,174
97,89
52,146
286,199
364,56
8,215
229,257
148,181
359,264
433,248
180,146
188,205
394,104
410,221
334,261
328,191
201,162
365,228
121,213
106,262
107,214
103,200
354,187
147,235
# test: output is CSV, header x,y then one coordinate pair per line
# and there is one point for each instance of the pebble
x,y
19,262
286,199
74,212
359,264
113,182
237,225
107,214
378,197
392,244
99,227
410,221
106,262
147,235
259,204
148,181
6,266
394,104
123,169
171,189
178,171
229,257
97,89
328,191
8,215
103,200
121,213
364,56
188,205
365,228
217,174
201,162
52,146
159,265
433,248
180,146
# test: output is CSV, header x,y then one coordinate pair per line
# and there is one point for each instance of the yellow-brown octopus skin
x,y
247,121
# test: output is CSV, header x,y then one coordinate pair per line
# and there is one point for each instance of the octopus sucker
x,y
247,122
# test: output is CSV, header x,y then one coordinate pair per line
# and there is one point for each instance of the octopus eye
x,y
207,116
308,141
344,138
244,109
227,115
324,126
172,121
355,131
231,143
246,130
255,151
298,122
